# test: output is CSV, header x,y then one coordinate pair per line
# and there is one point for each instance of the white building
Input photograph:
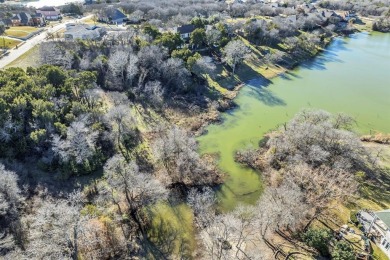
x,y
383,226
377,224
82,31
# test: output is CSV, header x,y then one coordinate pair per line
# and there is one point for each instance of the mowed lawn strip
x,y
8,43
20,31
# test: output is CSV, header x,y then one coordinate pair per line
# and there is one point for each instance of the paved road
x,y
16,53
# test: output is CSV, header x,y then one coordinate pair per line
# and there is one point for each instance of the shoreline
x,y
236,90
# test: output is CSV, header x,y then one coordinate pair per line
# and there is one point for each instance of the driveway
x,y
30,43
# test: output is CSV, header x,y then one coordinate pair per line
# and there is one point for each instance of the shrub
x,y
319,239
343,251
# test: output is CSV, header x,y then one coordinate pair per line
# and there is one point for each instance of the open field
x,y
20,31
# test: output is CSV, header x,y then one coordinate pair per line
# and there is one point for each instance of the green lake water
x,y
351,76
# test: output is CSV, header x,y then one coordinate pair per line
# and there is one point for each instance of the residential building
x,y
82,31
185,31
38,19
377,225
22,19
348,15
49,13
331,16
112,16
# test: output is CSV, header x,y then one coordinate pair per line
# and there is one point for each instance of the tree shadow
x,y
259,89
328,55
289,75
34,179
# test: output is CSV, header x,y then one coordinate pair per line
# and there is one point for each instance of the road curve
x,y
30,43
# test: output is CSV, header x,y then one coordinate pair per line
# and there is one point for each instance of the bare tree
x,y
99,239
230,235
154,93
54,54
53,229
174,73
235,52
124,180
151,60
203,205
122,123
177,152
202,66
321,186
11,199
213,37
79,146
318,138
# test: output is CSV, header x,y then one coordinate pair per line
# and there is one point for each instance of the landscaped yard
x,y
20,31
8,43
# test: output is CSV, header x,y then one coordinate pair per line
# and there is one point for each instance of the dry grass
x,y
28,59
8,43
364,25
20,31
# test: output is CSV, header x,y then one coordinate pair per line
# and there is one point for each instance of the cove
x,y
351,76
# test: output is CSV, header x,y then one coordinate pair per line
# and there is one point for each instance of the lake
x,y
351,76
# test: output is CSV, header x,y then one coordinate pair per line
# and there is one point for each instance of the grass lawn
x,y
377,253
364,24
8,43
20,31
253,66
90,21
29,59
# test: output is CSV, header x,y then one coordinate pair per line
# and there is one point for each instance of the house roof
x,y
24,17
328,14
36,15
188,28
47,9
118,15
77,29
113,14
384,215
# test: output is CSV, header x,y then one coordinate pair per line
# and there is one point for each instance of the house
x,y
82,31
348,16
49,13
377,225
112,16
38,19
22,19
185,31
331,16
89,2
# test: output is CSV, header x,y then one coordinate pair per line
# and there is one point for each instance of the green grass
x,y
8,43
377,253
253,66
364,25
28,59
175,224
20,31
